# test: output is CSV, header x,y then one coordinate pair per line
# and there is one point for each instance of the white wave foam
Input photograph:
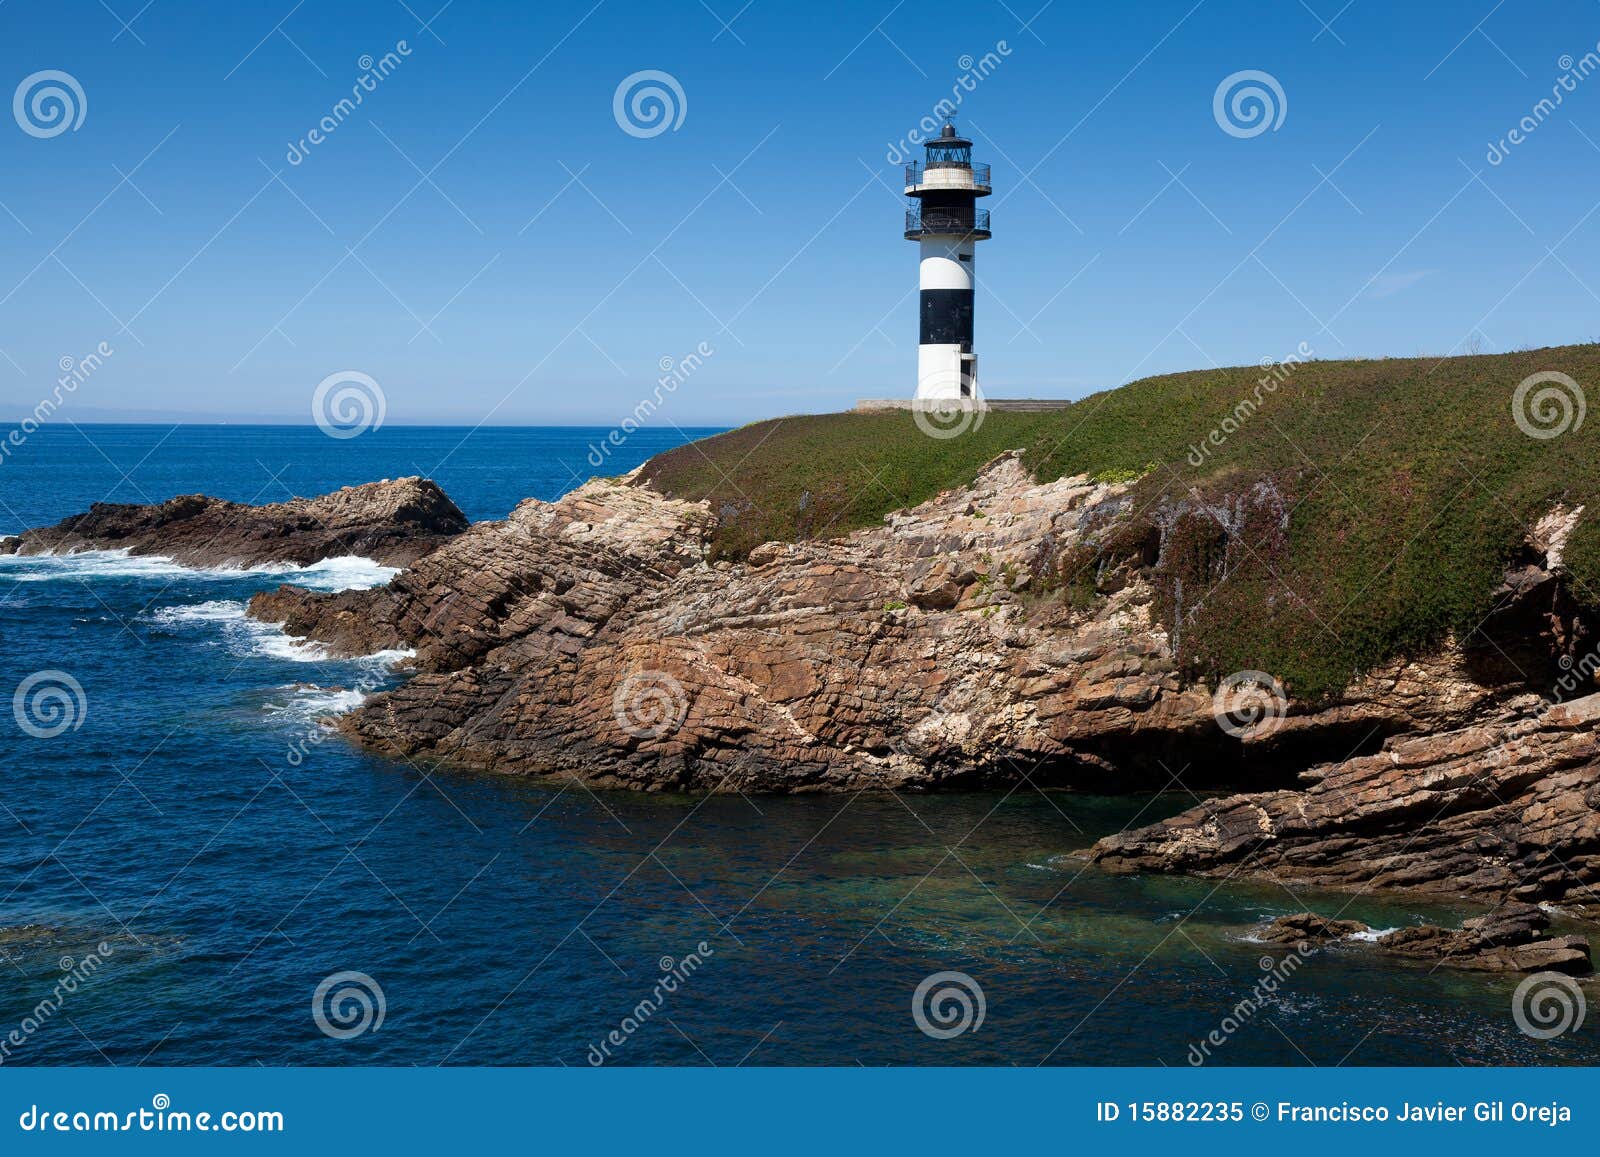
x,y
350,572
275,644
85,564
390,657
215,611
247,636
1371,935
308,702
347,572
244,636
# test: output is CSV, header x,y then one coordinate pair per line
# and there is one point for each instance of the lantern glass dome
x,y
948,151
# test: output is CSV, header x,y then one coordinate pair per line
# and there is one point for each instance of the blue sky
x,y
483,239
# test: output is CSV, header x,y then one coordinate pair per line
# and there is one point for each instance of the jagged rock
x,y
1502,807
395,522
1510,938
593,638
813,666
1308,927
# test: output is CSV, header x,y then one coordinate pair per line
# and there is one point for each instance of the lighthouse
x,y
943,218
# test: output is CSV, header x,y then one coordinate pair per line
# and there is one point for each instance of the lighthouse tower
x,y
944,220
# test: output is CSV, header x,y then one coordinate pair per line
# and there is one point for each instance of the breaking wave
x,y
345,573
246,637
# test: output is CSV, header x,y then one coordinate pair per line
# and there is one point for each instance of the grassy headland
x,y
1319,517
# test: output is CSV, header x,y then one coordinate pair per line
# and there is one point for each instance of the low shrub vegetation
x,y
1353,512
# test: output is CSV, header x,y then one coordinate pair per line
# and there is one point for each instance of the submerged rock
x,y
28,935
1308,927
394,522
1509,938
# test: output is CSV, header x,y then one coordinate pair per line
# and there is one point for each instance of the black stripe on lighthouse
x,y
947,317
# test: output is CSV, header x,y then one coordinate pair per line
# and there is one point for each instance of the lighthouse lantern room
x,y
943,218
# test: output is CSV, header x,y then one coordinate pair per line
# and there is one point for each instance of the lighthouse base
x,y
946,373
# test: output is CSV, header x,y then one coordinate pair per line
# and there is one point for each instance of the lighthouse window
x,y
963,256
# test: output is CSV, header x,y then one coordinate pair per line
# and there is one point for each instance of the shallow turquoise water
x,y
229,866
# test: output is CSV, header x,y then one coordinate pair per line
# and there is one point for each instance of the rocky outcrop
x,y
1505,807
595,638
1308,928
1509,938
590,637
395,522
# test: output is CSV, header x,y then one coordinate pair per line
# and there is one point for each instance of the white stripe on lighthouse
x,y
942,267
939,372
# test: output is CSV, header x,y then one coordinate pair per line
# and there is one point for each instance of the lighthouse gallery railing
x,y
938,220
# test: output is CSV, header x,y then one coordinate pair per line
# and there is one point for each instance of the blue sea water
x,y
188,862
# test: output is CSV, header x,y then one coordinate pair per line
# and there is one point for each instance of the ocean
x,y
192,872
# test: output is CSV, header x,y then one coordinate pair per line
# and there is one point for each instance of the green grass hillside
x,y
1318,518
